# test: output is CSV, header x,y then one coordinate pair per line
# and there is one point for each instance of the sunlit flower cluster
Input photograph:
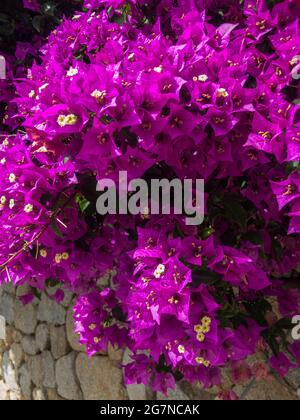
x,y
187,89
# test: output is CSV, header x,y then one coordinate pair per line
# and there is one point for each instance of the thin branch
x,y
3,266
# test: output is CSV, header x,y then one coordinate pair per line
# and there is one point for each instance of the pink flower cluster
x,y
186,89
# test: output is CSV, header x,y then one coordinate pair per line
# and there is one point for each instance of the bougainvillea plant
x,y
163,89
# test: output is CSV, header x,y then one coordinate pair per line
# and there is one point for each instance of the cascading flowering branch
x,y
186,89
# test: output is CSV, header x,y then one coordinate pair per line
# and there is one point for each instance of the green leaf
x,y
36,293
273,343
56,229
207,232
50,282
82,202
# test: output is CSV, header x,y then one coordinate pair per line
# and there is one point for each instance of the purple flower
x,y
281,364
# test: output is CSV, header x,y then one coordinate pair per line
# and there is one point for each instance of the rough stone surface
x,y
67,386
50,311
25,381
7,308
22,290
68,295
36,361
53,395
196,391
268,390
293,378
59,343
9,337
14,395
9,373
16,354
9,288
115,354
25,317
99,378
29,345
38,395
42,337
4,391
17,336
73,338
173,395
41,368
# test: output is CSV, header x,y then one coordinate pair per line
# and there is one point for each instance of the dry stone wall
x,y
42,359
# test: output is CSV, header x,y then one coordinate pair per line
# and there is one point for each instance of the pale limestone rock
x,y
68,295
41,368
25,381
38,395
50,311
99,378
67,386
7,308
4,391
9,288
52,395
59,343
9,373
73,338
293,378
42,337
173,395
115,355
25,317
29,345
23,290
17,336
268,390
15,395
16,354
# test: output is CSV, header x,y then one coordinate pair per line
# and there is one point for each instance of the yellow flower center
x,y
198,328
65,255
222,93
158,69
181,349
64,120
202,78
92,327
100,95
43,253
160,269
72,72
58,258
12,178
206,320
200,337
28,208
